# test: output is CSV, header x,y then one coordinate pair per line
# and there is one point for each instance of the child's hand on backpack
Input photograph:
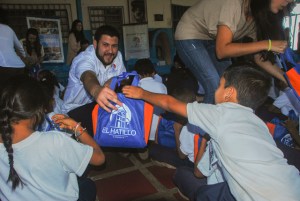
x,y
133,92
64,121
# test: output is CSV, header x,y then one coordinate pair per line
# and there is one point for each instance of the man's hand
x,y
104,96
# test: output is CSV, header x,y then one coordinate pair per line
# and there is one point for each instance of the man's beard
x,y
101,58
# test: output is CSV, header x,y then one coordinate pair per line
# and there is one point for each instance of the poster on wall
x,y
50,38
136,41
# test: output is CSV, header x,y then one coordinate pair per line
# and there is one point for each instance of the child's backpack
x,y
165,134
292,76
280,132
127,127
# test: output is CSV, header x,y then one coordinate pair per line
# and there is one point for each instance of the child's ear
x,y
230,94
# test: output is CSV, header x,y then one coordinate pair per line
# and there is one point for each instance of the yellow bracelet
x,y
270,45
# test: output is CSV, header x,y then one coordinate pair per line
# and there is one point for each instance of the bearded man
x,y
89,71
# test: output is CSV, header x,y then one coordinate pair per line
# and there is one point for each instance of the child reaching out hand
x,y
253,167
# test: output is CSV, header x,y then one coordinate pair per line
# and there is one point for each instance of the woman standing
x,y
34,50
76,35
206,34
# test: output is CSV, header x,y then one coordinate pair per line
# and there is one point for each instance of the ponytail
x,y
6,134
21,98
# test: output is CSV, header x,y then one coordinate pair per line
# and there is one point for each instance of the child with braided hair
x,y
41,165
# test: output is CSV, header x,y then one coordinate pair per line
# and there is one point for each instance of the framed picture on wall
x,y
137,11
50,38
136,42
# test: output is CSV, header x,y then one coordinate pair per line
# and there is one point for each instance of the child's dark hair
x,y
144,67
21,98
251,83
185,94
48,76
106,30
48,81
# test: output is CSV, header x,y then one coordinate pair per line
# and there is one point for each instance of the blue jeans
x,y
197,189
187,182
200,57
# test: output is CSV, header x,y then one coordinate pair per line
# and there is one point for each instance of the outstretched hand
x,y
133,92
104,98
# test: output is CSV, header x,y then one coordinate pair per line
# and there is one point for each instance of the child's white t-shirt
x,y
252,165
150,84
48,163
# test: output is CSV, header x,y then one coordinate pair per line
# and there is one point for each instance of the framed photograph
x,y
50,38
136,42
137,11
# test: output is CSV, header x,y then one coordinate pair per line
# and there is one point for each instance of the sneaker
x,y
163,164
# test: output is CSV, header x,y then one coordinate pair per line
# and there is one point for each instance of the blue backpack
x,y
127,127
165,135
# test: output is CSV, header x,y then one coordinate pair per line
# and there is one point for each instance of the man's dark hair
x,y
144,67
251,83
106,30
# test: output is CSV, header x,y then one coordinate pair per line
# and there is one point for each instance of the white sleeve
x,y
74,156
18,46
206,116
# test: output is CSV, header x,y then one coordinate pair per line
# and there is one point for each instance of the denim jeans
x,y
187,182
196,189
200,57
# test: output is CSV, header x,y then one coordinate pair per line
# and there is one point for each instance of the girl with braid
x,y
41,165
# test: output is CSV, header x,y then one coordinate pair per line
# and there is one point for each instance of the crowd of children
x,y
221,151
173,135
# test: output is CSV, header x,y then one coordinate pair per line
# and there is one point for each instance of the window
x,y
177,12
293,24
106,15
18,12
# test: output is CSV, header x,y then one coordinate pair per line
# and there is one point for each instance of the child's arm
x,y
177,129
98,156
200,153
163,101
